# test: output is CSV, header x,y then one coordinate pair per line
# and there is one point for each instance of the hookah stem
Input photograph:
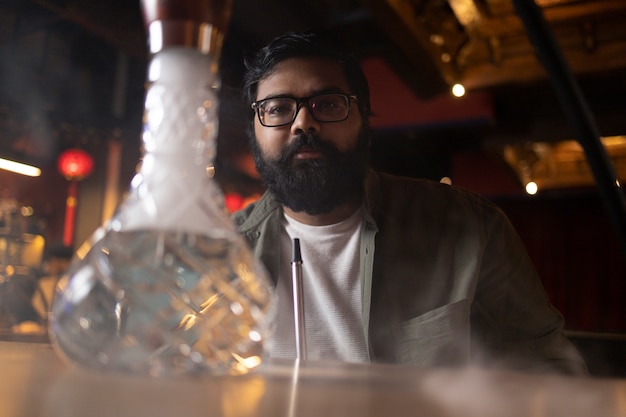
x,y
196,24
298,309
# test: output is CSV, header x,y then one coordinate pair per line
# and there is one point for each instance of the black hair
x,y
312,43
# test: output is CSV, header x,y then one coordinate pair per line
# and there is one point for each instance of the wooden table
x,y
35,382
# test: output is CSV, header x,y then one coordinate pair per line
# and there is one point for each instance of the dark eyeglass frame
x,y
304,100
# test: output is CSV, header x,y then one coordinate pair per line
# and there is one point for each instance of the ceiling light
x,y
19,168
531,188
458,90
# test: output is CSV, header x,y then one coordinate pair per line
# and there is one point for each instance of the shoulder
x,y
389,192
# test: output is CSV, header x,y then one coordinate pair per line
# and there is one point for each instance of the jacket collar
x,y
372,200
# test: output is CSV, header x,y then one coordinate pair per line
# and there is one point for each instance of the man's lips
x,y
308,153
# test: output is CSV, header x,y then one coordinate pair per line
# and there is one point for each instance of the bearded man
x,y
394,269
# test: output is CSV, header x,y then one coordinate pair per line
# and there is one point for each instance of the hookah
x,y
167,286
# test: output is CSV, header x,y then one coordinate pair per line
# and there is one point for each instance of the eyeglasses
x,y
281,111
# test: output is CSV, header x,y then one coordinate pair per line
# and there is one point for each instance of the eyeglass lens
x,y
324,108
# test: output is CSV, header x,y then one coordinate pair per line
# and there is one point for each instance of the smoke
x,y
24,127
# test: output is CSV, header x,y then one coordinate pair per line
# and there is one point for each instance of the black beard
x,y
314,186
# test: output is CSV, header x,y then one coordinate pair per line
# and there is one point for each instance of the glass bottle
x,y
168,286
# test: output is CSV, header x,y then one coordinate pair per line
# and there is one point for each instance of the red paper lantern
x,y
233,201
75,164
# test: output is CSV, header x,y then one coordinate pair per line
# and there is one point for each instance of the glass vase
x,y
168,286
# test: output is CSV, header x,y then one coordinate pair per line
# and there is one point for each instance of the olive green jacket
x,y
446,280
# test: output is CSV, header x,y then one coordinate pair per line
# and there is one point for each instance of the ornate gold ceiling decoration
x,y
482,43
562,164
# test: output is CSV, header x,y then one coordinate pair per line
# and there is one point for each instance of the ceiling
x,y
73,70
484,44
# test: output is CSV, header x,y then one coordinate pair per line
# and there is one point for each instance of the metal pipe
x,y
577,111
298,308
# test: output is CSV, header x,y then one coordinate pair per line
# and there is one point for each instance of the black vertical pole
x,y
577,111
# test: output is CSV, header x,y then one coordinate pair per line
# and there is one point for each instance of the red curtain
x,y
576,251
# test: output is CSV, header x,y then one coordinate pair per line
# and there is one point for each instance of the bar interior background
x,y
72,75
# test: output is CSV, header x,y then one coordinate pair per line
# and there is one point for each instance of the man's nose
x,y
304,121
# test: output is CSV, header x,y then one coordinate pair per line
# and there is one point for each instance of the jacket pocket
x,y
440,337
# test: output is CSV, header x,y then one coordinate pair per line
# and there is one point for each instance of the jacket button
x,y
253,235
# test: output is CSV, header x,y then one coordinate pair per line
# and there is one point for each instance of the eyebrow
x,y
329,90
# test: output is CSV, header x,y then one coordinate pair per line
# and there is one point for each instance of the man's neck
x,y
336,215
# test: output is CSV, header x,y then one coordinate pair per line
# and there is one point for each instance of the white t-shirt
x,y
331,287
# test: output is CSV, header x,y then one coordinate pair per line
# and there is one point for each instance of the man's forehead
x,y
303,75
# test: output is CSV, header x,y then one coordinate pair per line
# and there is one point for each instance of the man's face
x,y
308,165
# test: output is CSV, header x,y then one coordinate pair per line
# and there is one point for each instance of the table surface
x,y
35,382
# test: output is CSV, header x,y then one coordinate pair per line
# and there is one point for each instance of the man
x,y
394,269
